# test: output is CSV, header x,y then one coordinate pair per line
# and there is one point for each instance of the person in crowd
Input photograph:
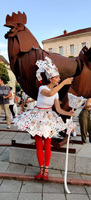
x,y
15,104
43,123
85,121
5,94
23,97
30,103
11,103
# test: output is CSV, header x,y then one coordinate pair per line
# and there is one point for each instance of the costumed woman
x,y
43,123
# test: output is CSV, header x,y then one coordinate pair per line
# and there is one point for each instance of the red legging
x,y
39,149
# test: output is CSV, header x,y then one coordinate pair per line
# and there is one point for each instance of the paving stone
x,y
1,135
53,171
58,161
76,189
85,151
8,196
77,197
31,187
5,141
5,156
72,175
88,189
35,170
83,165
2,149
20,135
55,175
9,136
16,168
86,177
28,137
27,141
52,196
3,166
53,188
32,170
30,196
76,146
23,156
10,186
83,160
1,181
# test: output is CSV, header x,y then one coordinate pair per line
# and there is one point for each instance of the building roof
x,y
80,31
2,59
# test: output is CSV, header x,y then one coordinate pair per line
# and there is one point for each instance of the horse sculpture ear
x,y
26,40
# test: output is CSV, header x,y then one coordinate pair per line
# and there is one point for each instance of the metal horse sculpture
x,y
24,51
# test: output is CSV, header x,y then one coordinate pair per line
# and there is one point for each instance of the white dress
x,y
41,121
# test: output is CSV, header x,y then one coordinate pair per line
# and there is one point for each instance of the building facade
x,y
69,44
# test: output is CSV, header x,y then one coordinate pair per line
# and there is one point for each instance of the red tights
x,y
39,148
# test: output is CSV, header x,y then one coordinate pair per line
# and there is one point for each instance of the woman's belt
x,y
42,108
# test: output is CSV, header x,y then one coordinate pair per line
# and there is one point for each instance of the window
x,y
51,49
61,50
72,49
83,44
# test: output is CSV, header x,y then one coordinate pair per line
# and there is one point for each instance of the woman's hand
x,y
68,81
5,97
72,113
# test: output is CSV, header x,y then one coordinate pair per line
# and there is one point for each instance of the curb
x,y
22,177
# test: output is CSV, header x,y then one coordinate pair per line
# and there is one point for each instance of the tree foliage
x,y
18,87
4,73
71,56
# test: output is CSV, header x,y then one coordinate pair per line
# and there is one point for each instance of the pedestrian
x,y
15,104
11,103
22,101
30,103
43,123
85,121
4,100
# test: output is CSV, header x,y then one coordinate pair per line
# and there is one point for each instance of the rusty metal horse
x,y
24,51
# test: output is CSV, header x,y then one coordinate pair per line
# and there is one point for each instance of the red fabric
x,y
43,108
39,148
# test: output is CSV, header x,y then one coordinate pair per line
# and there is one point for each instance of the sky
x,y
46,19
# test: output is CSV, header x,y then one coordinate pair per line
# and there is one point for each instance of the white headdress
x,y
46,66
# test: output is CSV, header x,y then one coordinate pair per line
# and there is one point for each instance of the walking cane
x,y
66,162
74,102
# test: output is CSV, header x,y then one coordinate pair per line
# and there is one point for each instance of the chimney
x,y
65,32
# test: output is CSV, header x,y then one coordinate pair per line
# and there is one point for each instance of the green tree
x,y
4,73
18,87
71,56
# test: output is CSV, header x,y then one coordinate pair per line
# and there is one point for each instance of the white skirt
x,y
41,122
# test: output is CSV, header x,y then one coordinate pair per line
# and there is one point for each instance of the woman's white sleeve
x,y
57,96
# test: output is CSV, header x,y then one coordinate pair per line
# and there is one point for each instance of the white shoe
x,y
74,134
8,126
